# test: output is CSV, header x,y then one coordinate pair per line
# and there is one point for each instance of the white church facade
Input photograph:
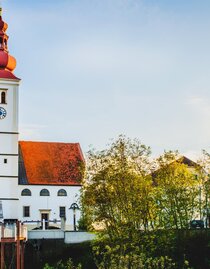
x,y
40,182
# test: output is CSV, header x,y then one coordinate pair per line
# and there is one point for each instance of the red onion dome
x,y
7,62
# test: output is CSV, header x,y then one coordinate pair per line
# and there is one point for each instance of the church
x,y
40,182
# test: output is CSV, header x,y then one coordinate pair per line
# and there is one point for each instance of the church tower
x,y
9,84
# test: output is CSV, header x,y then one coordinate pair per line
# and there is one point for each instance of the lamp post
x,y
74,207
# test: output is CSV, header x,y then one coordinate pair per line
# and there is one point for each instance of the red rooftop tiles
x,y
48,163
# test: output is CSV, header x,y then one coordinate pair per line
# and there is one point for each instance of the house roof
x,y
181,160
49,163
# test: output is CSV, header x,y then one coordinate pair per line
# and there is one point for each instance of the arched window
x,y
3,97
26,192
62,192
44,192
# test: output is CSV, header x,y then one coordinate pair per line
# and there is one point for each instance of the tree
x,y
177,190
118,191
127,199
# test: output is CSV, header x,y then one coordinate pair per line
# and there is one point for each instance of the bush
x,y
131,256
60,265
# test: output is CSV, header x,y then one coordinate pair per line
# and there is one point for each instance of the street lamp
x,y
74,207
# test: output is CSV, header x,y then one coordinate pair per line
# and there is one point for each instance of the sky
x,y
94,69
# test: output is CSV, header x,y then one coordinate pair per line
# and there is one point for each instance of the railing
x,y
46,224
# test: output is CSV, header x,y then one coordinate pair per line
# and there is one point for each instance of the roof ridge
x,y
50,142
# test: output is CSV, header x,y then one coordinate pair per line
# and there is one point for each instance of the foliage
x,y
114,257
177,191
127,195
61,265
123,193
83,222
118,194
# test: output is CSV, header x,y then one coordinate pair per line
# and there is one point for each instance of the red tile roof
x,y
49,163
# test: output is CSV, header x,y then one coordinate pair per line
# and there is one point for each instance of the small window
x,y
26,211
5,43
62,212
26,192
44,192
62,192
3,98
5,160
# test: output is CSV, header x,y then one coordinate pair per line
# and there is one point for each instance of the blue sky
x,y
94,69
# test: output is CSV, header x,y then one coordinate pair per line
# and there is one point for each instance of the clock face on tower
x,y
3,113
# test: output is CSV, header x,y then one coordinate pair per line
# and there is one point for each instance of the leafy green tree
x,y
118,193
177,191
123,196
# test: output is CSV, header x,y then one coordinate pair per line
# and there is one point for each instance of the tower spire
x,y
7,62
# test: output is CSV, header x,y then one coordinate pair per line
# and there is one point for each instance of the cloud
x,y
31,131
200,104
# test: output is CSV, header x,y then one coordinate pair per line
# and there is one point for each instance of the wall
x,y
9,150
49,204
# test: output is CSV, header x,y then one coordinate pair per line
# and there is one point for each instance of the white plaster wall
x,y
10,123
8,188
78,237
51,203
10,209
9,145
48,234
69,237
10,168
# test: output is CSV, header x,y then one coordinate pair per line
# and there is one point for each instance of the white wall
x,y
10,209
8,143
9,150
49,204
78,237
10,168
10,123
69,237
48,234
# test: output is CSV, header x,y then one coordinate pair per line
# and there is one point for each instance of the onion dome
x,y
7,62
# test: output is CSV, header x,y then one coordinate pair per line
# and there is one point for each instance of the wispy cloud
x,y
31,131
200,104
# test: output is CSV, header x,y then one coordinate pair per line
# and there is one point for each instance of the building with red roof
x,y
49,179
40,181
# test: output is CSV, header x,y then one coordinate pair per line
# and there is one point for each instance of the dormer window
x,y
3,98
